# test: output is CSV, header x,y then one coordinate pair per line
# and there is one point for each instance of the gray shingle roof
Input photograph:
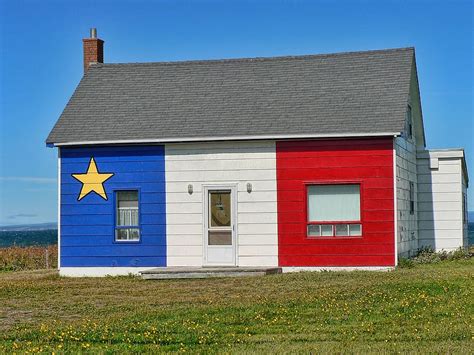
x,y
315,95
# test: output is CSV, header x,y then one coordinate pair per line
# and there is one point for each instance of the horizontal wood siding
x,y
406,170
88,225
368,161
222,163
440,187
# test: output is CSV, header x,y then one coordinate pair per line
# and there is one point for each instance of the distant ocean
x,y
50,236
471,233
28,238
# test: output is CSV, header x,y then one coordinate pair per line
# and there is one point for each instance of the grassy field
x,y
427,308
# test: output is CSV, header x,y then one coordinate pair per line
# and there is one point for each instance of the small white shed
x,y
442,199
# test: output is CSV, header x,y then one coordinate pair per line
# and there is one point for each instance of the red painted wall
x,y
368,161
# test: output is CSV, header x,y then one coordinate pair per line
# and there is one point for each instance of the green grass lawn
x,y
429,308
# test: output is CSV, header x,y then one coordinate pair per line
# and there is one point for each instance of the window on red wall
x,y
334,210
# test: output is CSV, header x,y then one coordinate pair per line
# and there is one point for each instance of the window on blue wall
x,y
127,221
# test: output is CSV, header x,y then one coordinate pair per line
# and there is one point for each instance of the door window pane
x,y
220,237
219,209
334,203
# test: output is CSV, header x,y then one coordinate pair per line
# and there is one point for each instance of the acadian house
x,y
304,163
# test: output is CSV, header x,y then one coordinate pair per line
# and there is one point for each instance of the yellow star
x,y
92,181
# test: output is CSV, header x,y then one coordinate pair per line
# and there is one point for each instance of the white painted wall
x,y
101,271
222,163
406,172
441,182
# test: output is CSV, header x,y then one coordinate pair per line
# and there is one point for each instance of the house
x,y
306,162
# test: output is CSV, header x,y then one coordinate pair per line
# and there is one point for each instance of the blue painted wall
x,y
88,225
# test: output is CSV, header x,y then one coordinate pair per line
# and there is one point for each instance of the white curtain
x,y
127,208
127,217
334,203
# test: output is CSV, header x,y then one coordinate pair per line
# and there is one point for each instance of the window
x,y
127,224
220,218
409,120
334,210
412,198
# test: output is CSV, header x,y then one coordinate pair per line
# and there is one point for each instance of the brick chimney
x,y
93,50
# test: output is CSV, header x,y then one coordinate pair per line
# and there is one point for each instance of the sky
x,y
41,64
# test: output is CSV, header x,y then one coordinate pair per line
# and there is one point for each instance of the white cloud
x,y
32,179
22,215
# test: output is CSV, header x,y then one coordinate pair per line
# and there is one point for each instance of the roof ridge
x,y
257,59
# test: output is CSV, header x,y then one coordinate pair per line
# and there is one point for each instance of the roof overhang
x,y
228,138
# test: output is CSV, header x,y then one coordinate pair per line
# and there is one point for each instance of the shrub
x,y
459,254
427,255
28,258
405,263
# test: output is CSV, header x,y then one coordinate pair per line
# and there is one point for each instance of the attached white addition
x,y
442,202
239,178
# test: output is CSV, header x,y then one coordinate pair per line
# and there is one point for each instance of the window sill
x,y
127,241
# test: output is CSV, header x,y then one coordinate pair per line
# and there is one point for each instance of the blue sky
x,y
41,64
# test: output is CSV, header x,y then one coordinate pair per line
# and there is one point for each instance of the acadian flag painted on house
x,y
303,163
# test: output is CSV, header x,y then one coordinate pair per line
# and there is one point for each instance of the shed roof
x,y
329,95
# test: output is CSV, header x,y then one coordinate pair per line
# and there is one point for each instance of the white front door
x,y
219,228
